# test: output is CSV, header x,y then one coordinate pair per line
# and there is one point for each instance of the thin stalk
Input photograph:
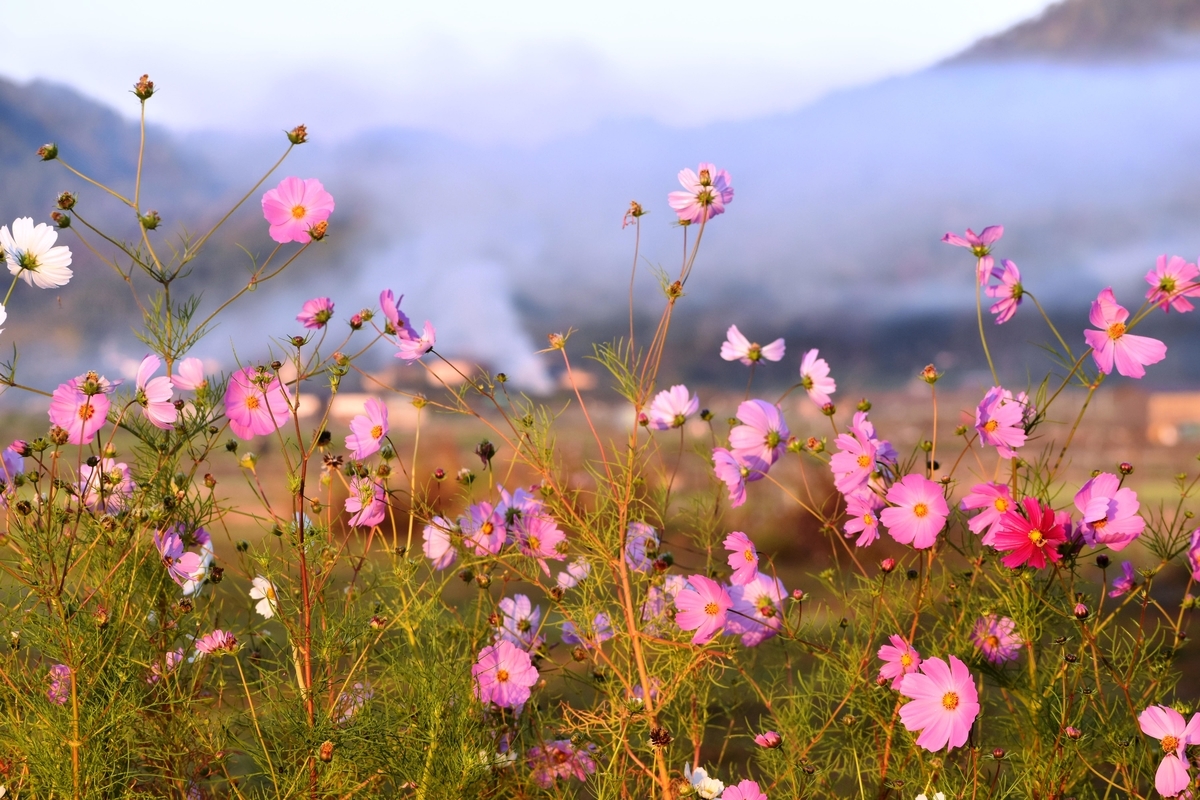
x,y
982,335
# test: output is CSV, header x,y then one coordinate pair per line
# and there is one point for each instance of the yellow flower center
x,y
487,528
1037,537
252,402
1170,744
501,675
1116,330
1167,284
992,641
1001,505
950,701
864,461
535,543
712,609
377,432
868,519
749,555
87,411
1100,524
991,425
906,660
920,510
298,212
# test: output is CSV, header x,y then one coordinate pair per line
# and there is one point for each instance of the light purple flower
x,y
576,571
705,194
412,349
671,408
757,611
154,394
106,486
351,702
641,546
1171,283
996,638
735,472
1009,291
438,546
171,660
540,538
600,632
737,347
814,377
702,607
483,529
315,313
743,558
1000,421
59,691
1193,555
1109,512
980,246
396,318
854,462
1127,581
559,759
862,510
217,642
520,623
189,375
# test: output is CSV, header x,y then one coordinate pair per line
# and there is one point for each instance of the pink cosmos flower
x,y
1109,512
1032,538
994,499
559,759
1193,555
814,377
702,607
294,206
1126,583
886,456
1000,421
996,638
519,505
944,703
540,538
80,407
438,546
899,659
484,529
576,571
183,567
980,246
412,349
745,790
762,435
735,472
396,318
256,403
1112,345
757,611
918,511
106,486
705,194
366,502
854,462
520,622
1167,725
503,674
641,546
217,642
671,408
737,347
768,739
743,558
1009,291
315,313
189,375
60,684
171,660
601,631
862,510
1171,283
154,394
368,430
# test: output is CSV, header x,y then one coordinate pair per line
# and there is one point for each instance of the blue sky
x,y
523,70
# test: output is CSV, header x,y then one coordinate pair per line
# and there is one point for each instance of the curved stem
x,y
982,335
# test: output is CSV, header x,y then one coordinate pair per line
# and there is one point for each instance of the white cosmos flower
x,y
3,317
704,786
32,256
263,591
936,796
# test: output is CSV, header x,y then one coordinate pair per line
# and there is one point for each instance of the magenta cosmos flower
x,y
397,319
944,703
540,538
189,375
154,394
862,508
1032,538
438,546
315,313
705,193
768,739
1193,555
366,502
80,406
702,607
743,558
814,377
256,403
762,435
368,430
737,347
899,659
1008,292
671,408
1167,725
994,499
1000,421
757,611
1109,512
918,511
641,546
1171,283
411,349
744,790
1111,345
217,642
503,675
484,529
996,638
980,246
294,206
1126,582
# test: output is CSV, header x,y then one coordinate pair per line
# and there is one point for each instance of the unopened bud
x,y
378,623
341,359
998,753
60,219
298,135
887,565
48,151
797,595
930,374
579,654
557,341
864,405
1072,733
150,220
144,89
1126,468
248,461
829,409
209,481
706,415
501,377
961,430
439,474
814,445
1081,611
58,435
325,752
557,592
317,232
101,617
1102,561
483,581
66,201
299,341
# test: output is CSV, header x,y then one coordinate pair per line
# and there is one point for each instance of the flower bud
x,y
829,409
887,565
58,435
317,232
150,220
144,89
325,752
1125,468
501,377
864,405
912,574
1102,561
486,452
209,481
231,445
341,359
1072,733
439,474
998,753
298,134
660,737
465,477
557,341
635,211
484,581
706,415
814,445
60,219
378,623
961,430
930,374
797,595
579,654
48,151
101,617
66,201
419,402
643,420
769,740
1081,612
248,461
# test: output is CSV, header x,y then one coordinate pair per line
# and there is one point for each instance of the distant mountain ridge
x,y
1096,30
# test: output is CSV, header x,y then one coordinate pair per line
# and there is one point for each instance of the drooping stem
x,y
979,316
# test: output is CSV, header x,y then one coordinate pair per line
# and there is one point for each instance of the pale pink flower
x,y
81,412
862,510
761,437
737,347
256,403
743,558
366,502
412,349
854,462
1000,421
702,607
1009,291
154,394
654,609
560,759
171,660
994,499
1127,581
757,611
539,537
398,320
504,675
641,546
918,511
814,377
294,206
367,431
899,659
744,790
671,408
484,529
1111,345
768,739
576,571
315,313
106,486
735,472
980,246
217,642
438,546
189,375
944,703
705,195
996,638
1109,512
1167,725
520,622
886,456
185,568
1171,283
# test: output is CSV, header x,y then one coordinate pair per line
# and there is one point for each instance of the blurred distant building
x,y
1173,417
